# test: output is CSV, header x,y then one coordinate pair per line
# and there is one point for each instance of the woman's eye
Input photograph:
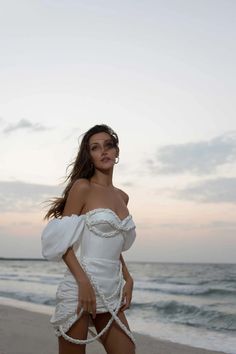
x,y
110,145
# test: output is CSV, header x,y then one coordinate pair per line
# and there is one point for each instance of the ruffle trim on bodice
x,y
119,225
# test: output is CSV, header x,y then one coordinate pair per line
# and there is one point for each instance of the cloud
x,y
24,197
128,184
24,124
197,158
224,225
218,190
215,225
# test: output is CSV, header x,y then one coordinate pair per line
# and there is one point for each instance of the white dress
x,y
98,238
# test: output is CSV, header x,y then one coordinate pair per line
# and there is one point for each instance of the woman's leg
x,y
78,330
115,340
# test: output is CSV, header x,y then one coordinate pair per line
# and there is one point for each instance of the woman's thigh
x,y
115,340
78,330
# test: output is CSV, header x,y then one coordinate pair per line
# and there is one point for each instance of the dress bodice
x,y
106,235
105,222
100,232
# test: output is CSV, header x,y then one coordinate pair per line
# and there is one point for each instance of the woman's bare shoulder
x,y
124,195
76,197
81,184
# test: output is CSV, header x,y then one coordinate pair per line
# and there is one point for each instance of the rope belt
x,y
108,307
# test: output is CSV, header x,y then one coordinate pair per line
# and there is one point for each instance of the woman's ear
x,y
117,151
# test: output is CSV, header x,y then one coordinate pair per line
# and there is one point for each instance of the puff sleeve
x,y
129,238
60,234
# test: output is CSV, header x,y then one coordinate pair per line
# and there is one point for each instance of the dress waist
x,y
106,274
99,265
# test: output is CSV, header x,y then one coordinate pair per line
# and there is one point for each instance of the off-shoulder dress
x,y
98,238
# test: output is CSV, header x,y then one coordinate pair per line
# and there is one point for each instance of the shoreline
x,y
30,328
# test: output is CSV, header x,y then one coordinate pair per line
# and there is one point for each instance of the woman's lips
x,y
105,159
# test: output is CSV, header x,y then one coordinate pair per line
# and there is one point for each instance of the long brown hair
x,y
82,167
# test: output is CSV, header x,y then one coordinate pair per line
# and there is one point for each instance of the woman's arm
x,y
128,287
73,264
126,273
87,298
74,203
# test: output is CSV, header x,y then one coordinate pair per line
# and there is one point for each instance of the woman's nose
x,y
104,148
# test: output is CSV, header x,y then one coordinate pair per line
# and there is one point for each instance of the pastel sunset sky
x,y
162,75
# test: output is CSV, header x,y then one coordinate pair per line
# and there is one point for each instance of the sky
x,y
162,75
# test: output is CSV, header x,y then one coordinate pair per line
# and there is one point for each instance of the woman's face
x,y
102,150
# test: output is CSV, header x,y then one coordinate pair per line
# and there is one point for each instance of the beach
x,y
27,332
190,304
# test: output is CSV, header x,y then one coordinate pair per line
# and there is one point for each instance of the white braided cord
x,y
76,317
107,305
113,313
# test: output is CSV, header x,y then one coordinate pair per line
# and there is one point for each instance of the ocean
x,y
192,304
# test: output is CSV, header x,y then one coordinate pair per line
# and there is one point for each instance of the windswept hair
x,y
82,167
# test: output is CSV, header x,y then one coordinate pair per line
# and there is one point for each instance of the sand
x,y
27,332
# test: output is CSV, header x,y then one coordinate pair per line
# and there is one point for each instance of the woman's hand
x,y
127,293
87,297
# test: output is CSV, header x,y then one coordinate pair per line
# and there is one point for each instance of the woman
x,y
89,229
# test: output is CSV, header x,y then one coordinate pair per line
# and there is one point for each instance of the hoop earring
x,y
117,160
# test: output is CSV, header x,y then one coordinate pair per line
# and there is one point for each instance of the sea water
x,y
192,304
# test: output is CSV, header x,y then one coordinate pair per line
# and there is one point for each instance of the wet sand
x,y
27,332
